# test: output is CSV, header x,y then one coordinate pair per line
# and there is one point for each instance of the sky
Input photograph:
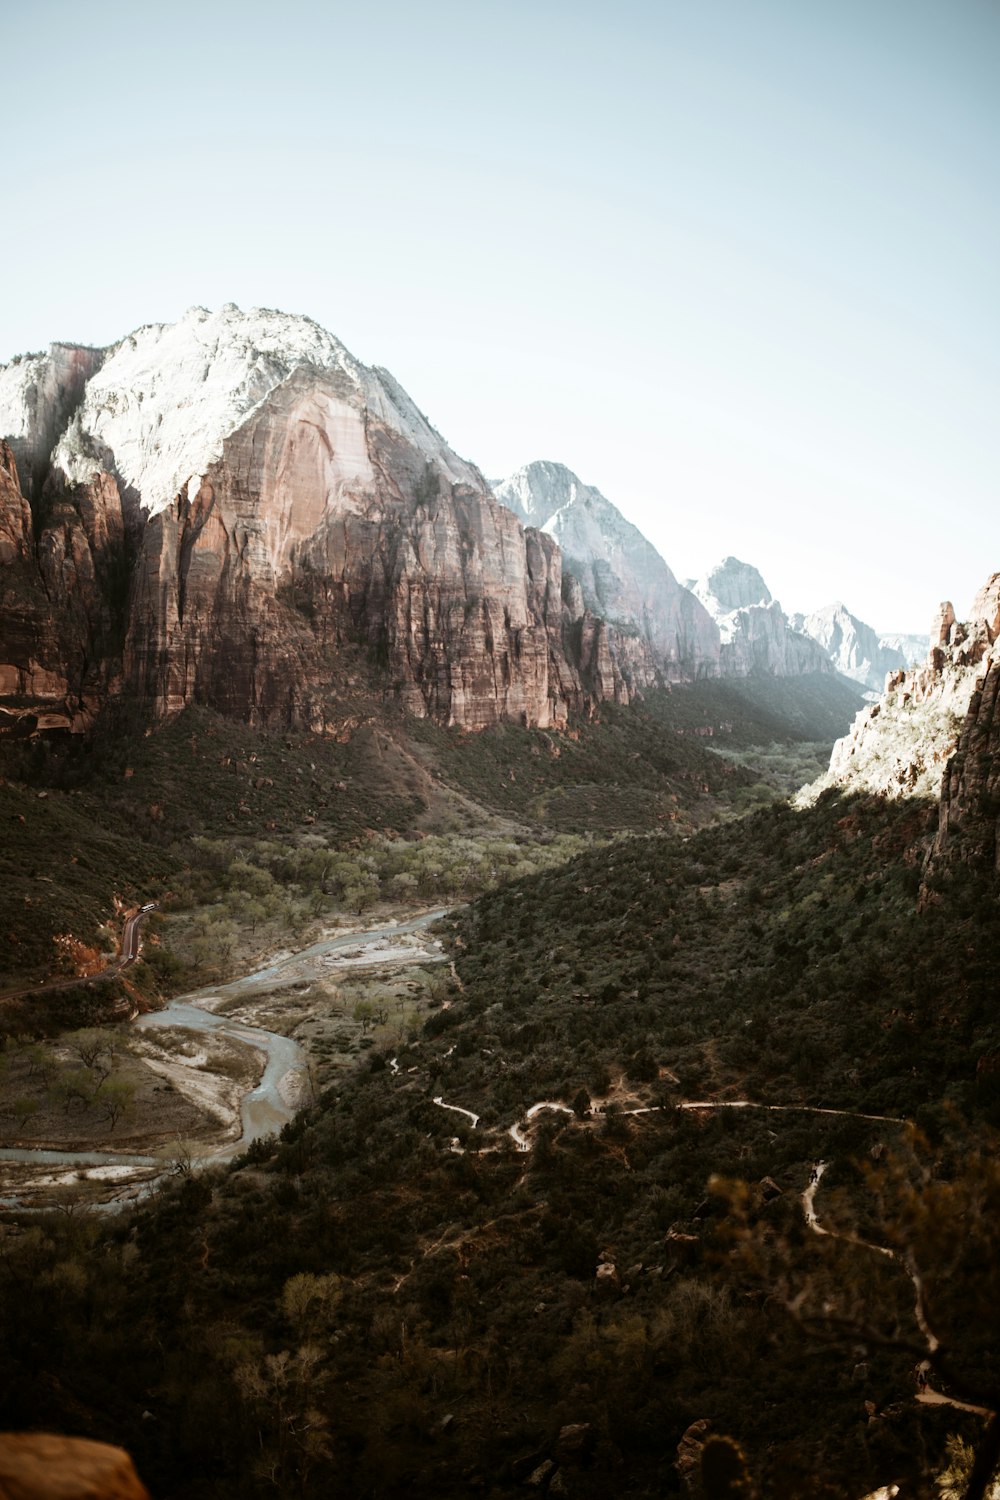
x,y
734,262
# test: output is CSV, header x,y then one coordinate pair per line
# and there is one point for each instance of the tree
x,y
90,1045
115,1099
73,1086
254,911
24,1108
360,895
309,1302
281,1393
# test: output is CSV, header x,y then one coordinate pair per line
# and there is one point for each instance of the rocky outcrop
x,y
852,646
969,825
237,509
15,512
969,822
38,395
62,602
756,637
901,745
44,1466
622,577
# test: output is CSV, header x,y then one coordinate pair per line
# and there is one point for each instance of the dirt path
x,y
927,1396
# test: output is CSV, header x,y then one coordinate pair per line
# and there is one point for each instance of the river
x,y
274,1100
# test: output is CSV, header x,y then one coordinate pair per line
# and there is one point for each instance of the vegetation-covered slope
x,y
392,1299
119,814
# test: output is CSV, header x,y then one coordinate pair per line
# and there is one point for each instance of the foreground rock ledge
x,y
42,1466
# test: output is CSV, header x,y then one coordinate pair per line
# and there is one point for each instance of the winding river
x,y
277,1096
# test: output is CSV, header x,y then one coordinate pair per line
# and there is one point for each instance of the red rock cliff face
x,y
62,602
231,510
322,526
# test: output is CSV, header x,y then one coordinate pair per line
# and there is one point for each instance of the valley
x,y
340,995
525,933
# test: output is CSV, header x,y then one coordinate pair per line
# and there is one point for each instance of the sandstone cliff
x,y
233,501
622,576
62,603
756,637
901,745
969,824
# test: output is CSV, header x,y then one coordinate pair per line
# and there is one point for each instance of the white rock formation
x,y
158,411
622,575
913,647
38,394
731,585
756,637
851,645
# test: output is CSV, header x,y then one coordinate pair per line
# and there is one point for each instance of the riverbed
x,y
30,1175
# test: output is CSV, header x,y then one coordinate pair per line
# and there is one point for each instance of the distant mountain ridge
x,y
727,625
622,575
756,636
852,646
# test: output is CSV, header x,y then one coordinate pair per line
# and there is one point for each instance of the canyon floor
x,y
349,990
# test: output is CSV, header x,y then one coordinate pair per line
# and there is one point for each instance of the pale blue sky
x,y
733,261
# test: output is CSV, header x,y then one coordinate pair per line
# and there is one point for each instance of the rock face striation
x,y
901,745
221,507
853,647
756,637
622,576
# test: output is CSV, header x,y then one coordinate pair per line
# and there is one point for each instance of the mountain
x,y
913,647
900,745
756,636
852,646
621,574
231,510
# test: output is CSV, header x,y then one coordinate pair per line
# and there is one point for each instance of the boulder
x,y
43,1466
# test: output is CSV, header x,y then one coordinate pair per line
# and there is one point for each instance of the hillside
x,y
429,1298
562,1225
119,814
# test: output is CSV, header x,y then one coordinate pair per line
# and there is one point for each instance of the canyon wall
x,y
235,512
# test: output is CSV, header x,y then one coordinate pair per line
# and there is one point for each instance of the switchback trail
x,y
927,1396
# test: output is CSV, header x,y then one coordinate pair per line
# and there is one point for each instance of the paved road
x,y
131,945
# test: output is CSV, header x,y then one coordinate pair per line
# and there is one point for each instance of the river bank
x,y
223,1065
